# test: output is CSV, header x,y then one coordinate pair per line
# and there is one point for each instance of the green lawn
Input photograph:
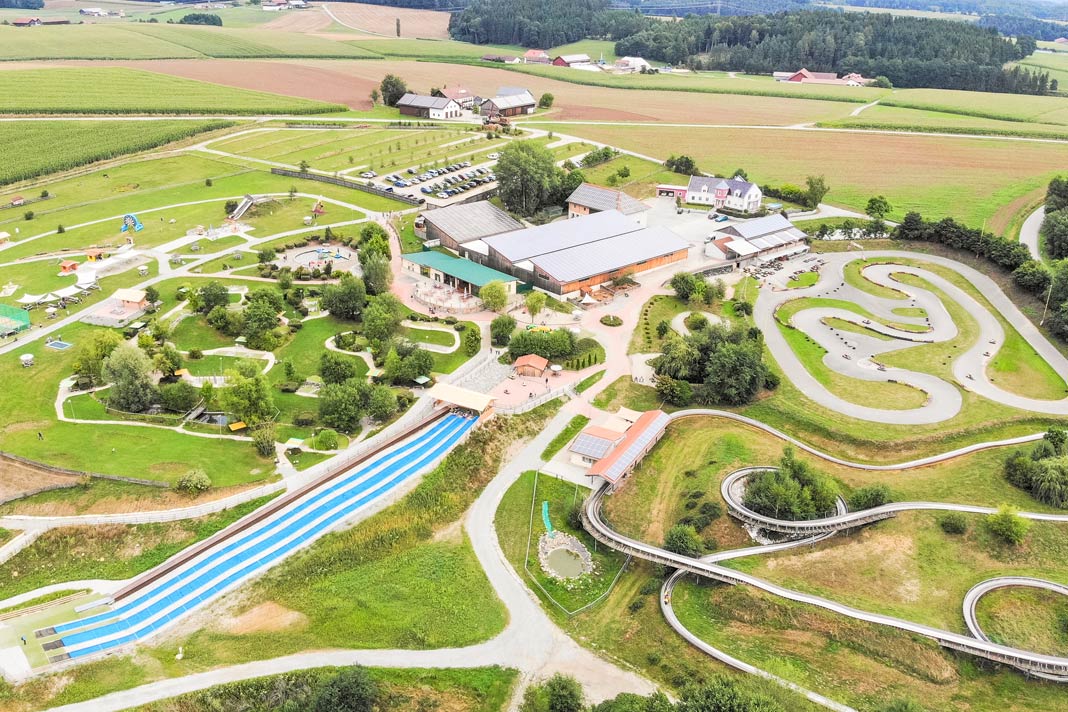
x,y
408,241
642,180
27,407
194,332
660,308
514,521
431,336
589,381
212,365
574,426
806,279
1025,618
114,551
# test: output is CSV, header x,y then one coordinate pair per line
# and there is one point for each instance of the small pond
x,y
565,563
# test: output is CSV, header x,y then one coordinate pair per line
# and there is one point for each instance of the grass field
x,y
909,568
226,42
471,690
114,551
1026,618
805,279
40,148
115,90
994,172
898,118
1033,109
863,665
660,308
557,444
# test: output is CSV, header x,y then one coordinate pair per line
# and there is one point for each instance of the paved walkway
x,y
1030,229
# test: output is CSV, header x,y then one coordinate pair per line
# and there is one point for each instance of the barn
x,y
456,225
428,107
578,255
512,105
570,60
589,198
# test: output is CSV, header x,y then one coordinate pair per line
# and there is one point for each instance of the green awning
x,y
464,270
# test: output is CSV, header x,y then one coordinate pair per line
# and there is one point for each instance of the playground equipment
x,y
130,223
545,518
319,209
242,208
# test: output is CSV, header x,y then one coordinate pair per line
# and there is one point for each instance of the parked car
x,y
367,174
494,156
425,190
411,171
442,195
722,218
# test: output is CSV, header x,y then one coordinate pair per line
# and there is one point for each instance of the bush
x,y
870,497
711,509
953,523
1007,525
195,354
289,386
649,587
682,539
194,481
472,342
501,329
611,320
636,605
304,418
326,440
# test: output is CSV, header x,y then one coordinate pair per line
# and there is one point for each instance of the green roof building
x,y
461,274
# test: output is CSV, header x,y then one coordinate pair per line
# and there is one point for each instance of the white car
x,y
493,156
368,174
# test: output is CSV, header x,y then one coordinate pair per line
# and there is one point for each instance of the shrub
x,y
870,497
289,386
710,543
472,342
611,320
263,439
326,440
304,418
195,354
194,481
649,587
711,509
953,523
636,605
683,539
1007,525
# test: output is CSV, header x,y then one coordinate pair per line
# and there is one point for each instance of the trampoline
x,y
59,345
220,568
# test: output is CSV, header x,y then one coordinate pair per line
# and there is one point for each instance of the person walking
x,y
40,435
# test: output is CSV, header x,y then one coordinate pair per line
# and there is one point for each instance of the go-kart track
x,y
1049,667
157,601
856,355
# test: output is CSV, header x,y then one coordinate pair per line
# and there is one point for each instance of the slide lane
x,y
216,570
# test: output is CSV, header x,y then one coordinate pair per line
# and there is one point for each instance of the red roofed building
x,y
804,76
536,56
531,365
635,445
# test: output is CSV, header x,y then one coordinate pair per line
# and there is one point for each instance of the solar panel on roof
x,y
591,446
630,455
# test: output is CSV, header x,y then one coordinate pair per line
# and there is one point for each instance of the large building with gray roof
x,y
575,256
589,198
459,224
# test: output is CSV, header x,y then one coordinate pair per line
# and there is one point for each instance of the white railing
x,y
532,403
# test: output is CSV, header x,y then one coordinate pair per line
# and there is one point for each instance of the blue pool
x,y
217,569
58,345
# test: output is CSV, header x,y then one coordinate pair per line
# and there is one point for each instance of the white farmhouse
x,y
731,193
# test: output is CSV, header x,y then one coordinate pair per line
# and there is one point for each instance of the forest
x,y
911,52
1015,26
